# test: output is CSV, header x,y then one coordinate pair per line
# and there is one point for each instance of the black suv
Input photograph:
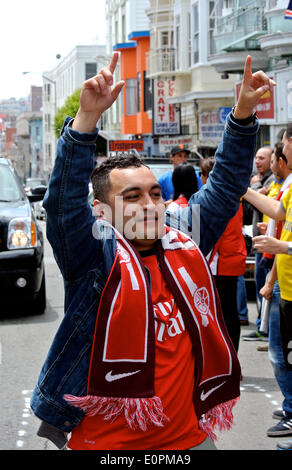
x,y
22,274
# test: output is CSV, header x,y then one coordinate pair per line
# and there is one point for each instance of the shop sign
x,y
211,128
166,143
166,118
126,145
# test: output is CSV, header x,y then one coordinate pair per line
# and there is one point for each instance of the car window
x,y
9,190
33,183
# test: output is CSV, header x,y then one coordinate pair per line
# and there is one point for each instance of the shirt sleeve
x,y
285,199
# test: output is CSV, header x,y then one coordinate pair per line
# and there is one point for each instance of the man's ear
x,y
102,210
98,208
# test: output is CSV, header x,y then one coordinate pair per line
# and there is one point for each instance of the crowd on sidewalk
x,y
272,177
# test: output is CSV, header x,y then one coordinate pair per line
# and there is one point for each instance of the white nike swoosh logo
x,y
110,377
204,396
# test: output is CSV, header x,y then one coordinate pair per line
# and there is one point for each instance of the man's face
x,y
287,150
137,208
179,157
275,166
263,160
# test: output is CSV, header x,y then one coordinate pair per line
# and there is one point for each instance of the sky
x,y
33,32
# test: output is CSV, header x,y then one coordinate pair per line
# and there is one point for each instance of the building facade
x,y
193,68
27,152
171,87
202,97
128,33
36,98
259,28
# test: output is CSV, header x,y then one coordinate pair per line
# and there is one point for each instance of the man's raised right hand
x,y
97,95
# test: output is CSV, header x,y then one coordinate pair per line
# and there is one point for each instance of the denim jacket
x,y
85,260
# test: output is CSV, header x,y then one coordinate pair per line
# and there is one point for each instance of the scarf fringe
x,y
138,412
218,418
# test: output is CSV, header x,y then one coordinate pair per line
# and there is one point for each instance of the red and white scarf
x,y
121,374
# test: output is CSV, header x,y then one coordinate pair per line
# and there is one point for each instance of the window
x,y
164,38
138,92
195,33
8,187
47,122
116,32
147,93
189,41
90,70
177,40
48,92
124,28
212,44
131,96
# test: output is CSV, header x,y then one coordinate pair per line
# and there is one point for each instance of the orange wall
x,y
133,60
144,124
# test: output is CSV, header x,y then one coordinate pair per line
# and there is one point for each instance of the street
x,y
24,343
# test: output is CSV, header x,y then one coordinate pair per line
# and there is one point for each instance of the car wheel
x,y
40,302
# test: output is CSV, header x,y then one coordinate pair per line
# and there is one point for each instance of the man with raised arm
x,y
142,358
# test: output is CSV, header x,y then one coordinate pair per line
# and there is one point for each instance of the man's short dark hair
x,y
100,176
207,165
289,130
278,151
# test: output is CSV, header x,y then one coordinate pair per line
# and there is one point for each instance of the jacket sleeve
x,y
69,215
218,200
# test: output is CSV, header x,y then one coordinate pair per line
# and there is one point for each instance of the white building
x,y
258,28
181,34
81,63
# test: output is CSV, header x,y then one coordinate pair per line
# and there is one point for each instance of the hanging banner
x,y
166,119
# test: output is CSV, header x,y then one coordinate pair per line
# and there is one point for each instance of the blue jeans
x,y
260,274
283,377
241,299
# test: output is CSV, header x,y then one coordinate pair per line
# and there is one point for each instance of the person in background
x,y
179,154
271,291
242,301
263,179
280,210
227,261
185,184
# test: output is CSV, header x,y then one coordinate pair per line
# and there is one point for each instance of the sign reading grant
x,y
166,120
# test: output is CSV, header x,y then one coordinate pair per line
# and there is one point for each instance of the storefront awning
x,y
200,95
114,135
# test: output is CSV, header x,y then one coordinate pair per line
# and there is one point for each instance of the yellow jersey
x,y
274,189
284,262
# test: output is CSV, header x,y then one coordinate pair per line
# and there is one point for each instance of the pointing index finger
x,y
247,68
113,62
